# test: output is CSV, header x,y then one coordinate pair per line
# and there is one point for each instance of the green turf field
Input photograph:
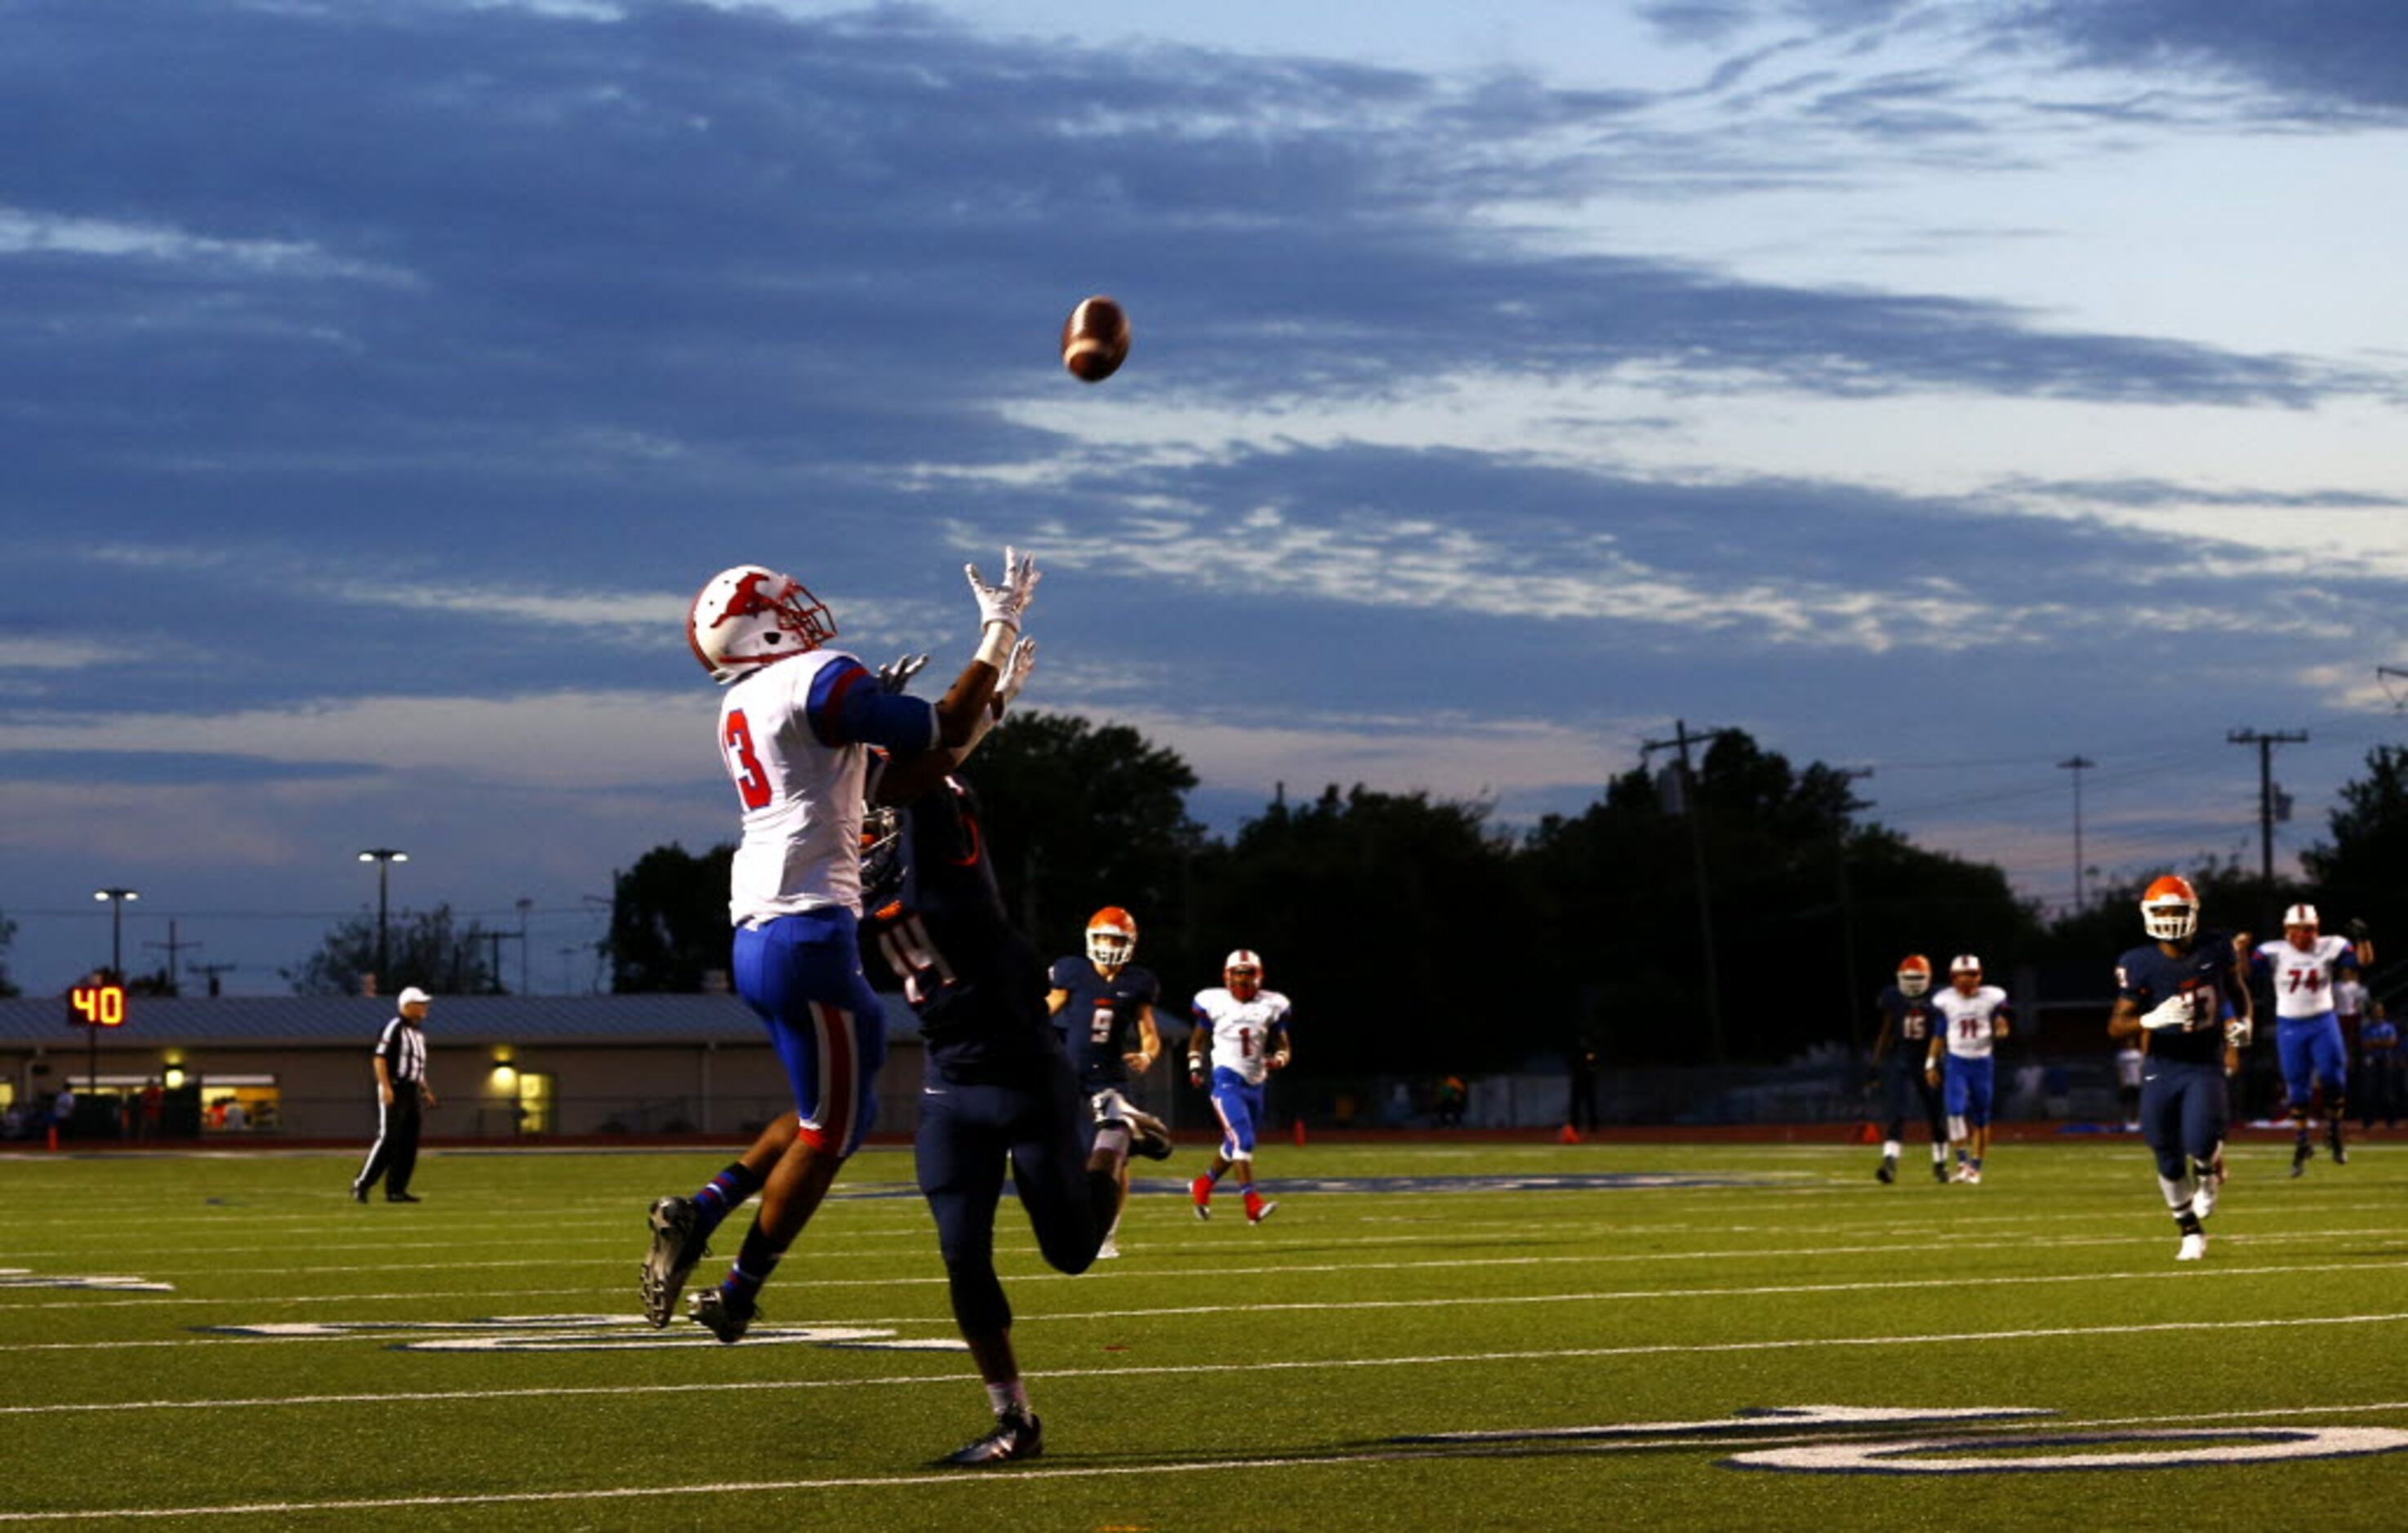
x,y
1290,1376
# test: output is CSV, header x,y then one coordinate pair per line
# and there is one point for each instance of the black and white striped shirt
x,y
403,1048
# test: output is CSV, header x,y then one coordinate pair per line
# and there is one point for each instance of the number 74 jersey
x,y
1243,1032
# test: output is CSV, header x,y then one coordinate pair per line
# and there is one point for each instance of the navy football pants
x,y
2184,1113
967,1135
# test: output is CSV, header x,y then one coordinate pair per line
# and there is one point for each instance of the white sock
x,y
2178,1193
1113,1141
1889,1149
1008,1397
1939,1155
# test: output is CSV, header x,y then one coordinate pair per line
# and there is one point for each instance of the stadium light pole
x,y
117,898
384,857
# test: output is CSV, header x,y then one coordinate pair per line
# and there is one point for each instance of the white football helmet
x,y
1112,937
2300,915
1241,974
2170,909
749,617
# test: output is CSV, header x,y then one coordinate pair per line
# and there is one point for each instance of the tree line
x,y
1416,936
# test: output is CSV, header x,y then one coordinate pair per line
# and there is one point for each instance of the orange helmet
x,y
1112,937
2170,909
1914,974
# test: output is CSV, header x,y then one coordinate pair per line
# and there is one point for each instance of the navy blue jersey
x,y
1910,1020
1099,1021
2148,976
978,987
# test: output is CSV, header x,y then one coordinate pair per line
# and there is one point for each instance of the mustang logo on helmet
x,y
747,617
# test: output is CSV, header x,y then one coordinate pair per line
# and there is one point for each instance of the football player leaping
x,y
2303,966
796,730
1104,1006
2185,996
1246,1029
1899,1059
1971,1017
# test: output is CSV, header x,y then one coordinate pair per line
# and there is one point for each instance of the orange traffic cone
x,y
1570,1134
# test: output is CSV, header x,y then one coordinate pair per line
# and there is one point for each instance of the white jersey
x,y
1971,1021
801,847
2303,981
2349,998
1242,1030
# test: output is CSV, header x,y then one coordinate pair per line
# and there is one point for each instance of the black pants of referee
x,y
394,1156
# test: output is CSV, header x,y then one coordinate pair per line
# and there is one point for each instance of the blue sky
x,y
1940,389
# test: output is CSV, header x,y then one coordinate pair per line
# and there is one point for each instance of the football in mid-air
x,y
1095,339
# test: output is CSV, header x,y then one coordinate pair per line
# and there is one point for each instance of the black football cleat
x,y
1888,1172
1940,1172
671,1259
724,1316
359,1193
403,1197
1148,1135
2339,1152
2302,1154
1017,1435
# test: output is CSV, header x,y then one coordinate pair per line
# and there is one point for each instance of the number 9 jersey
x,y
1243,1032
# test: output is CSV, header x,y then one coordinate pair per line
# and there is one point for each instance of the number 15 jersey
x,y
1241,1031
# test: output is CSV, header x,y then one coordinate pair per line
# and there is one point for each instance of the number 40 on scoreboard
x,y
97,1006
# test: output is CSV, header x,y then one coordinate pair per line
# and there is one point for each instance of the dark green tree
x,y
1082,816
428,949
2357,872
668,920
1382,917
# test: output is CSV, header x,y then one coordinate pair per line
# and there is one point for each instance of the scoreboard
x,y
101,1004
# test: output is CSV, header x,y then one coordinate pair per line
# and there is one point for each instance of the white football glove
x,y
2236,1032
897,674
2173,1011
1013,674
1005,603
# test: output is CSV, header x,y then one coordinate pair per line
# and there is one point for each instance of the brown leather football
x,y
1095,339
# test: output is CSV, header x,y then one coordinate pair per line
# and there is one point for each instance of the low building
x,y
501,1067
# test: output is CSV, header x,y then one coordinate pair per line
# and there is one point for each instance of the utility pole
x,y
2266,741
1691,810
493,970
209,973
2077,763
526,986
174,975
1848,909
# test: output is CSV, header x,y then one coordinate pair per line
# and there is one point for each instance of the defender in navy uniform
x,y
1104,1006
1897,1059
998,1088
2186,993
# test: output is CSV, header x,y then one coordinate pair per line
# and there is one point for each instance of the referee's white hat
x,y
412,993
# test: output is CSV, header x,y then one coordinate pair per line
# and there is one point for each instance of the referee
x,y
401,1086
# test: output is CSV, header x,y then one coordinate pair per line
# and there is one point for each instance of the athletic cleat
x,y
1201,1191
1149,1136
1964,1172
2340,1155
1109,1252
724,1316
1940,1172
2193,1248
403,1197
2302,1154
359,1193
1888,1172
1257,1212
671,1260
1972,1176
1017,1435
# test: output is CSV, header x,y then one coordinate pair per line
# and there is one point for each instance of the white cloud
x,y
29,232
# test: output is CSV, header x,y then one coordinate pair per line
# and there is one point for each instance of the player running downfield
x,y
2186,998
1900,1055
1246,1029
1104,1006
1973,1017
2303,968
